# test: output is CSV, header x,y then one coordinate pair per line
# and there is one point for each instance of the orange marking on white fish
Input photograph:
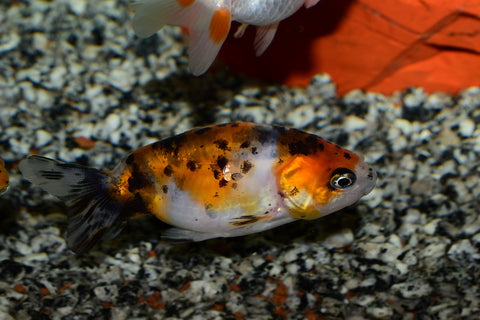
x,y
185,3
219,25
219,181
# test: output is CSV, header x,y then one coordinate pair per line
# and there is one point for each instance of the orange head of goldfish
x,y
319,184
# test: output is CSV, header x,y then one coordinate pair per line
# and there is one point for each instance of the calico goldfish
x,y
3,177
208,22
219,181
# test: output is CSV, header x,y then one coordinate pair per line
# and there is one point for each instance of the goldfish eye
x,y
342,178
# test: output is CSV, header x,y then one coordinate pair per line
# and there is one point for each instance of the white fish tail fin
x,y
92,214
207,22
310,3
264,37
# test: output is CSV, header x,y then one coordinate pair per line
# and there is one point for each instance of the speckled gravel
x,y
76,84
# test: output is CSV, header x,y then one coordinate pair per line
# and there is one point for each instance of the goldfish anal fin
x,y
264,37
240,30
92,214
178,235
310,3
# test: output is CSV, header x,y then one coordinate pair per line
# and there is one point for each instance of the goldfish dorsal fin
x,y
264,37
310,3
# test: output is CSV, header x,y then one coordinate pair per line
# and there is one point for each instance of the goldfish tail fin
x,y
93,214
207,22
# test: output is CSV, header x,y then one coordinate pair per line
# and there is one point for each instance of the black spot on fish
x,y
236,176
137,181
222,144
135,206
265,134
294,191
222,183
168,170
165,189
130,159
170,146
202,130
222,162
245,220
234,125
216,174
156,145
245,144
193,165
246,166
254,150
299,147
347,156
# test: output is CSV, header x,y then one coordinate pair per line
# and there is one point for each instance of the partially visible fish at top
x,y
218,181
208,22
3,177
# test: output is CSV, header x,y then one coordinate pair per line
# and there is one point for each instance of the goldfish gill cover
x,y
77,85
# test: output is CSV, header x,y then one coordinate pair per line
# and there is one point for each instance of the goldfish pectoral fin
x,y
264,37
207,34
310,3
183,235
92,214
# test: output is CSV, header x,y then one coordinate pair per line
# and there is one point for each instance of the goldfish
x,y
3,177
218,181
208,22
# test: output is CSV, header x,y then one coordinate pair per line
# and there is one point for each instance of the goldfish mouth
x,y
368,175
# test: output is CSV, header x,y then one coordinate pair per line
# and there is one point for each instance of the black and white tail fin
x,y
92,214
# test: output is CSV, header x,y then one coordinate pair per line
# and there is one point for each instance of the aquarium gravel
x,y
77,85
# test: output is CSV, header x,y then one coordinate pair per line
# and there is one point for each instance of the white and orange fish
x,y
219,181
3,177
208,22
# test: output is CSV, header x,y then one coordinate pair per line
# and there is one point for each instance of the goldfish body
x,y
3,177
208,22
219,181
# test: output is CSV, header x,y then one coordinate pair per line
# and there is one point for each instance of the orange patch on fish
x,y
220,25
185,3
3,177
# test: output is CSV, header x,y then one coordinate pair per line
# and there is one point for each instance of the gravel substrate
x,y
77,85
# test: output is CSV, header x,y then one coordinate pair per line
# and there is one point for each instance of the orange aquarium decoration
x,y
373,45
